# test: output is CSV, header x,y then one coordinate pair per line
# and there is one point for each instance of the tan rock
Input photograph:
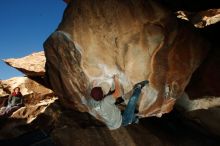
x,y
2,91
201,19
24,119
36,97
67,127
3,95
30,112
138,41
191,105
26,85
31,65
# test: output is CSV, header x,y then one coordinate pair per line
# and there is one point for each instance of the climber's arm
x,y
117,91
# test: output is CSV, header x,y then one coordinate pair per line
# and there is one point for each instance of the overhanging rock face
x,y
138,40
31,65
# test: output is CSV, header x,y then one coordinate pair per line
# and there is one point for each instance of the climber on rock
x,y
105,105
15,101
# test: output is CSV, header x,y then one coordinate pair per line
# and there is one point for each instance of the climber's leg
x,y
128,115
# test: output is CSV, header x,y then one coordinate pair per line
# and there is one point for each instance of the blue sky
x,y
24,26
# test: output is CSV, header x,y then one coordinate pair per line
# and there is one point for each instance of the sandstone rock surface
x,y
31,111
138,40
26,85
188,104
66,127
31,65
22,120
201,19
2,91
36,97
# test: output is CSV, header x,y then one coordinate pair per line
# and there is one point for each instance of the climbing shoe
x,y
141,84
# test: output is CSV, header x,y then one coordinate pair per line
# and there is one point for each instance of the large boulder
x,y
37,99
22,120
3,93
65,127
138,40
35,96
31,65
26,85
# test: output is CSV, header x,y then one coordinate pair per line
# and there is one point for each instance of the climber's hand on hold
x,y
94,83
116,76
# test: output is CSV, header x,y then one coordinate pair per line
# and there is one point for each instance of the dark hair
x,y
16,88
97,93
